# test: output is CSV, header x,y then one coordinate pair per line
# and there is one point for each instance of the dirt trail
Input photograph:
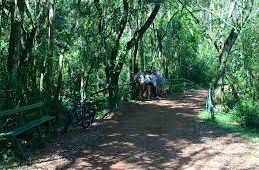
x,y
160,134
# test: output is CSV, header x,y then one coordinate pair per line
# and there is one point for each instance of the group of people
x,y
149,83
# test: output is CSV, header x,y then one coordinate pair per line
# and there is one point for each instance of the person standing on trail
x,y
153,78
139,79
160,82
148,83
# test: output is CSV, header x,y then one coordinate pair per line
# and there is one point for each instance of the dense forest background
x,y
59,51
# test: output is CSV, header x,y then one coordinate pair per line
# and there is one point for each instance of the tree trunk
x,y
135,63
133,70
219,82
49,61
2,3
82,86
111,70
113,91
15,39
142,57
25,68
88,77
60,75
15,46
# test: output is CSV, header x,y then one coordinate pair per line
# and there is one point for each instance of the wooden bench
x,y
23,118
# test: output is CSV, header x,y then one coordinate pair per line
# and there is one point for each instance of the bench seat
x,y
26,127
21,113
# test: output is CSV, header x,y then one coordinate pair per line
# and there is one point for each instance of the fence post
x,y
1,126
209,104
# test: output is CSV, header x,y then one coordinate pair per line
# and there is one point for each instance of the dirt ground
x,y
158,134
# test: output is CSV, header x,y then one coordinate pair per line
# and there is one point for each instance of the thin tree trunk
x,y
2,3
142,57
60,75
135,63
49,61
134,69
88,76
82,87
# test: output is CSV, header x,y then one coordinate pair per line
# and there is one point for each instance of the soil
x,y
157,134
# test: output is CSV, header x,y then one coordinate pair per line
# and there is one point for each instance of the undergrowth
x,y
229,123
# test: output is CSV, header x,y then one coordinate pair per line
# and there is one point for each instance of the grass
x,y
228,123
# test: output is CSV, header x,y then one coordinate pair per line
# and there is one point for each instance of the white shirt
x,y
147,78
141,79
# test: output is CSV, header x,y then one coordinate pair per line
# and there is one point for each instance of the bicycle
x,y
83,114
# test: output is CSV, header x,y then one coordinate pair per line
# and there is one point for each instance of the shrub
x,y
247,112
229,100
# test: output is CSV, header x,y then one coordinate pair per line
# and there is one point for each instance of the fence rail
x,y
178,85
100,97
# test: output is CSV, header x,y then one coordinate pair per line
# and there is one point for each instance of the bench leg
x,y
39,131
47,127
53,126
18,147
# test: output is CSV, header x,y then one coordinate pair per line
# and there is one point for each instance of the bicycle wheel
x,y
70,119
87,118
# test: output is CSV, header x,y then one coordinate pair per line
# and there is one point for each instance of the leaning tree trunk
x,y
113,70
219,82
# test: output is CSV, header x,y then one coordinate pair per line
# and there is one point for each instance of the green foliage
x,y
229,123
7,156
180,42
247,113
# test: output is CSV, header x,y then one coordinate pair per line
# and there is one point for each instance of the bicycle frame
x,y
83,113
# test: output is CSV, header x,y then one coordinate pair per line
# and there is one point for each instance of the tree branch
x,y
213,42
122,24
222,19
191,12
139,33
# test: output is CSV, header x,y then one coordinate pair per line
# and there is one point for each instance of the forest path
x,y
159,134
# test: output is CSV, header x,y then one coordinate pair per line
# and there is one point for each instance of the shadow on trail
x,y
162,134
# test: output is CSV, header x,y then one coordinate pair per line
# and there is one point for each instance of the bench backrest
x,y
19,111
